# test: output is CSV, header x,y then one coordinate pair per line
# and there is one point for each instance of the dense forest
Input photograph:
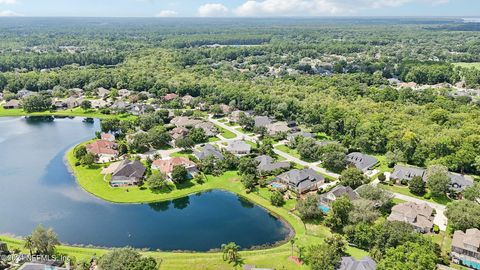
x,y
331,75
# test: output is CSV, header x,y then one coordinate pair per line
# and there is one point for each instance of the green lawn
x,y
185,154
226,133
288,150
405,191
468,65
382,164
244,131
275,257
73,112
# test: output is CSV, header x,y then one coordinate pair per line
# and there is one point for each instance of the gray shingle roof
x,y
208,150
361,161
406,172
349,263
129,169
262,121
268,164
301,179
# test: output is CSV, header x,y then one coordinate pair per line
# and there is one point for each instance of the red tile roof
x,y
102,147
166,166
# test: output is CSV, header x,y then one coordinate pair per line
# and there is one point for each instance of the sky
x,y
238,8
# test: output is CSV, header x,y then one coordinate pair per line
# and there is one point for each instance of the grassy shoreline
x,y
277,256
77,112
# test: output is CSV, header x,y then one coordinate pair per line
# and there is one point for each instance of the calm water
x,y
36,187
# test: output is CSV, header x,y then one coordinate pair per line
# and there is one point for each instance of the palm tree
x,y
230,252
292,244
29,244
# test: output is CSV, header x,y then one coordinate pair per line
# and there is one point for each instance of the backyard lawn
x,y
405,191
288,150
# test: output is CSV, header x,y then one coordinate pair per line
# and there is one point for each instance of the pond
x,y
37,188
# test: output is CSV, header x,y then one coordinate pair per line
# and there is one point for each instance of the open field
x,y
468,65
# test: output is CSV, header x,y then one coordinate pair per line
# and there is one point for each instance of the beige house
x,y
466,248
420,216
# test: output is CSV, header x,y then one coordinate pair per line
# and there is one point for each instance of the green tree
x,y
249,181
353,178
44,241
340,210
185,143
36,103
308,208
277,199
231,253
334,161
110,125
28,244
126,259
79,152
157,181
197,135
159,137
437,180
326,256
88,160
472,193
179,174
417,186
247,165
86,105
463,215
410,256
364,211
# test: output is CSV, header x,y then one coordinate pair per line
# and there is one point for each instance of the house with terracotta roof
x,y
420,216
104,150
107,137
166,166
169,97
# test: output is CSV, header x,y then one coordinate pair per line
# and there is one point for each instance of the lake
x,y
37,188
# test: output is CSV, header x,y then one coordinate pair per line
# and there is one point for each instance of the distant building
x,y
262,121
103,93
459,182
278,127
124,93
12,104
466,248
293,136
361,161
349,263
39,266
235,115
401,172
267,164
301,181
170,97
128,173
239,148
187,99
166,166
208,151
420,216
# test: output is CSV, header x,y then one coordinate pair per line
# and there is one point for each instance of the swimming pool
x,y
276,185
325,209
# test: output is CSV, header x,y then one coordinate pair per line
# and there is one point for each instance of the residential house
x,y
104,150
99,103
185,121
349,263
420,216
12,104
103,93
239,148
293,136
267,164
178,133
459,182
253,267
225,109
208,151
209,128
129,138
170,97
235,115
278,127
466,248
76,92
187,99
166,166
24,93
73,102
401,172
121,106
124,93
128,173
59,104
338,192
262,121
361,161
301,181
107,137
139,109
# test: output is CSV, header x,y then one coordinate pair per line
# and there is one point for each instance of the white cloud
x,y
318,7
167,13
10,2
9,13
212,10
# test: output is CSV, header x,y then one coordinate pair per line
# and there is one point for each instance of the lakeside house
x,y
107,137
336,193
458,182
239,148
12,104
420,216
466,248
104,150
208,151
361,161
128,173
301,181
166,166
267,164
349,263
